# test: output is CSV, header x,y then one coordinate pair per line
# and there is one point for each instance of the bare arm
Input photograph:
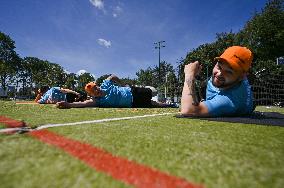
x,y
189,100
87,103
114,78
68,91
38,97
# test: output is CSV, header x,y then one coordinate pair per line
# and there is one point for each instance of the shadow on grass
x,y
258,118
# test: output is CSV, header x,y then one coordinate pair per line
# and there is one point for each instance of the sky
x,y
118,36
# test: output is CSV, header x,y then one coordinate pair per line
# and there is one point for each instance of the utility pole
x,y
159,45
166,85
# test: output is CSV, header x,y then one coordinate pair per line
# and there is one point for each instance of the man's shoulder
x,y
106,83
54,89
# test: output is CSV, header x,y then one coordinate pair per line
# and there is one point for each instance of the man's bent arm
x,y
114,78
63,90
189,101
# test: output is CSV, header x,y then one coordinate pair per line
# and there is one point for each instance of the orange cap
x,y
238,57
89,88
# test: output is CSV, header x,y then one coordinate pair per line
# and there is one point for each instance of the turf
x,y
215,154
2,126
35,115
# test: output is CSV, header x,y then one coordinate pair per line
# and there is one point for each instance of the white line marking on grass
x,y
17,129
98,121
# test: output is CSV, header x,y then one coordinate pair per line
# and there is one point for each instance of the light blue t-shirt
x,y
54,95
116,96
236,101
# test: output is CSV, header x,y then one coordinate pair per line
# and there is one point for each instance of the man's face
x,y
96,92
224,76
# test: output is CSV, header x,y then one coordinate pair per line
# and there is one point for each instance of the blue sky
x,y
117,36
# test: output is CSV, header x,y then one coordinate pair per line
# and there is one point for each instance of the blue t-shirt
x,y
236,101
115,96
54,95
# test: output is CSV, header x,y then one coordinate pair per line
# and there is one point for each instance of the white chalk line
x,y
17,129
81,122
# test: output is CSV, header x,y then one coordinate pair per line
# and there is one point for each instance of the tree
x,y
123,81
164,80
55,74
128,81
83,79
168,78
145,77
71,81
9,59
264,33
36,71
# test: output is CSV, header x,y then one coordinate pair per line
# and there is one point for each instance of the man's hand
x,y
62,105
192,69
115,79
189,102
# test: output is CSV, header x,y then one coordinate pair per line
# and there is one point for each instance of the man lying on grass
x,y
111,94
46,95
228,91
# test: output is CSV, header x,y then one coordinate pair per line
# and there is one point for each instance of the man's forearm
x,y
88,103
69,91
38,97
192,91
114,78
189,101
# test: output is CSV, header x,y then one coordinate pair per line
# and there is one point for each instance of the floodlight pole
x,y
159,45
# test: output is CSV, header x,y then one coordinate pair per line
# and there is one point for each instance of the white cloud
x,y
66,71
81,72
94,76
117,11
104,43
98,4
84,71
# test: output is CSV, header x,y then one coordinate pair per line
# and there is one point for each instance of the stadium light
x,y
159,46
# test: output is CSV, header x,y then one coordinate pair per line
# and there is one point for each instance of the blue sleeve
x,y
106,84
48,95
220,105
44,98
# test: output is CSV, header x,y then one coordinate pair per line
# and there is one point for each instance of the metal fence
x,y
268,89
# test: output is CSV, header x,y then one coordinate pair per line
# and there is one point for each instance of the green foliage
x,y
100,80
37,72
146,77
123,81
163,78
83,79
70,81
128,81
9,59
55,75
264,33
32,72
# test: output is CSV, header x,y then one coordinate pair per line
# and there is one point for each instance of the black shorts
x,y
71,97
141,97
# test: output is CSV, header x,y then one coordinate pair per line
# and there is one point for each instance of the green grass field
x,y
214,154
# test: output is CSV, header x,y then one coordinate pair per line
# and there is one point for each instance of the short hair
x,y
44,89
